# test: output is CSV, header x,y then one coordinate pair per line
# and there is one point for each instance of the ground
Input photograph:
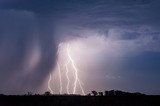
x,y
80,100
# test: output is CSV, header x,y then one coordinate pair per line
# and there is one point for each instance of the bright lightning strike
x,y
68,81
81,86
74,67
70,62
49,85
76,71
60,79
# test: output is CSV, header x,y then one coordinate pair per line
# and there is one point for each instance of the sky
x,y
115,44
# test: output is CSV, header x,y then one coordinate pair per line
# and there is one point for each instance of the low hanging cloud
x,y
26,54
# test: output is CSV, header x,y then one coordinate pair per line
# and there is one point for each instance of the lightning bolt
x,y
74,67
68,81
59,70
60,79
71,63
49,85
75,71
81,86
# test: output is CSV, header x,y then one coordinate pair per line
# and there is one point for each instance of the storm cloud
x,y
27,51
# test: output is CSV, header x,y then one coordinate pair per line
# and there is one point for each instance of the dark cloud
x,y
23,34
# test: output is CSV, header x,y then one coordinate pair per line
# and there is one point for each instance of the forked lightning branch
x,y
69,65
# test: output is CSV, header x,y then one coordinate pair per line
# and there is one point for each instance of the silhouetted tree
x,y
100,93
111,93
1,94
94,93
47,93
89,94
106,93
29,93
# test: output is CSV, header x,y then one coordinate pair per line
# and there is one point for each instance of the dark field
x,y
80,100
